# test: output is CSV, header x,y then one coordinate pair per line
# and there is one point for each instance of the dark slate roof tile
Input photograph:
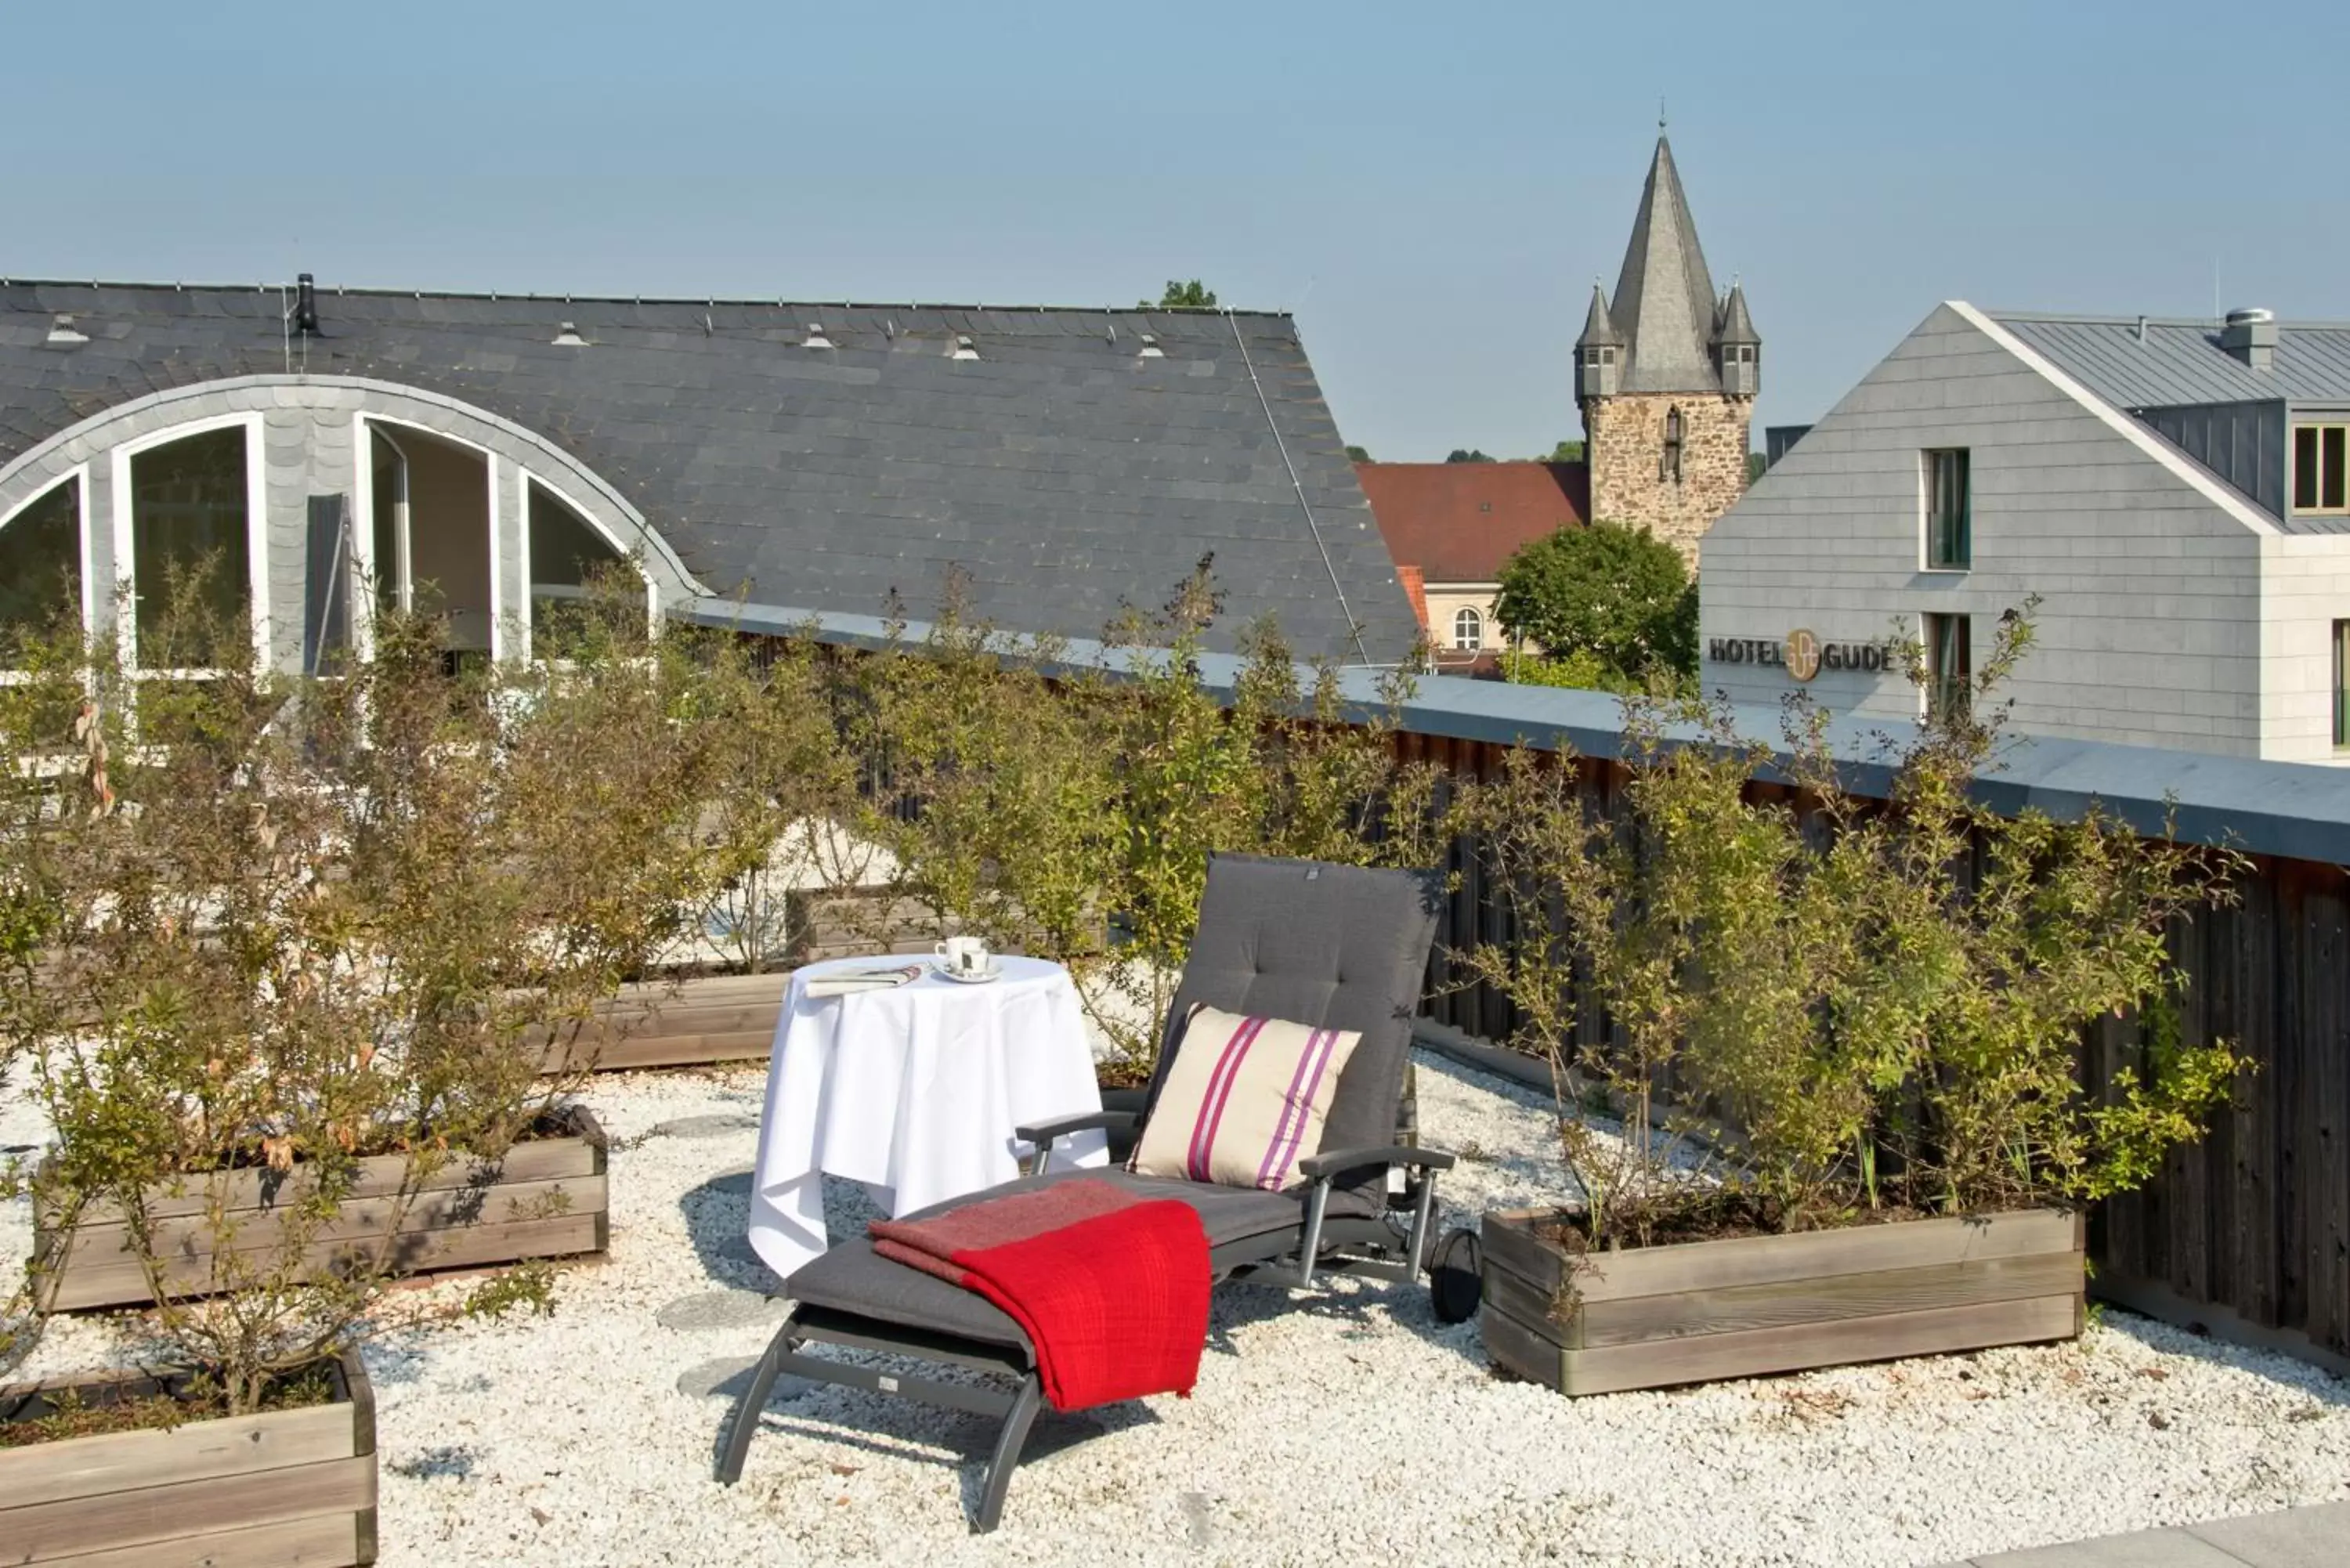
x,y
1065,473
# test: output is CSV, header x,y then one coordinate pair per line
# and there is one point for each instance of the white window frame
x,y
1478,617
256,537
2318,426
521,529
49,764
78,476
363,526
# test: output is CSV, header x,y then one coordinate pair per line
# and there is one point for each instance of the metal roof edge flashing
x,y
2296,811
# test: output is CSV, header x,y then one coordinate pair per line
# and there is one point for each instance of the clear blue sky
x,y
1430,187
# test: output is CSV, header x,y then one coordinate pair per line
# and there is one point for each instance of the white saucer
x,y
994,970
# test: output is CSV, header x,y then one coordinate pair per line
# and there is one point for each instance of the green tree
x,y
1565,452
1755,463
1360,454
1468,454
1620,595
1181,295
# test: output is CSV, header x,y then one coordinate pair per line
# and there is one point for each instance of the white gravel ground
x,y
1346,1428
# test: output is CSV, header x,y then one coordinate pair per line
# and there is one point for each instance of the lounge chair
x,y
1334,947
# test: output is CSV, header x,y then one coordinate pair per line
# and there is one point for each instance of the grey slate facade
x,y
2137,476
1068,460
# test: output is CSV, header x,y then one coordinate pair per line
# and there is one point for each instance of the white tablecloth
x,y
914,1090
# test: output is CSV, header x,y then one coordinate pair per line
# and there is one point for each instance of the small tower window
x,y
1669,464
1468,630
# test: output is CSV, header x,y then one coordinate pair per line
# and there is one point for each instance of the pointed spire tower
x,y
1666,374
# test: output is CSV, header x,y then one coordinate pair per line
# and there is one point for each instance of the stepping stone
x,y
717,1125
729,1377
720,1308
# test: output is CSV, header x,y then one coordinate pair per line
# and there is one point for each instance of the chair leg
x,y
1006,1458
754,1401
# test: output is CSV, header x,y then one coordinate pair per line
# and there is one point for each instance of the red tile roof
x,y
1458,521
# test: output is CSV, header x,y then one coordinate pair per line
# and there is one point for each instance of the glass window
x,y
189,561
2341,682
567,554
40,568
1950,664
1467,631
2321,468
1950,532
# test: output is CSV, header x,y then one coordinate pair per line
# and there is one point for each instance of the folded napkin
x,y
844,981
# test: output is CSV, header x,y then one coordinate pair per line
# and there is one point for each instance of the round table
x,y
915,1091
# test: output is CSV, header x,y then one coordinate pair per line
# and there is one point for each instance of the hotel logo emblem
x,y
1802,654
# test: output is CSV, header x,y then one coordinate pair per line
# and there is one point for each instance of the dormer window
x,y
1669,464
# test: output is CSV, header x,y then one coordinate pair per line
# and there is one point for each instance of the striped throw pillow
x,y
1243,1101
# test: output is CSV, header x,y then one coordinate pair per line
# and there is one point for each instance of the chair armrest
x,y
1338,1162
1045,1132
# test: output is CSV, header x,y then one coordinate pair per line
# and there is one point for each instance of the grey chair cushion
x,y
1337,947
853,1278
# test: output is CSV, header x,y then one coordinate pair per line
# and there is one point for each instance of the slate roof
x,y
1061,468
1664,305
2181,362
1460,521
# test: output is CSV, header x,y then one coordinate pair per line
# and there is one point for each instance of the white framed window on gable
x,y
564,553
1468,630
191,551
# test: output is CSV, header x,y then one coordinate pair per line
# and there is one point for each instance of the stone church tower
x,y
1666,376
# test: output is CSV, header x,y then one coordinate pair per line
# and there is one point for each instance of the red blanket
x,y
1111,1289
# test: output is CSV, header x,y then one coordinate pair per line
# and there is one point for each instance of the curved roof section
x,y
1061,468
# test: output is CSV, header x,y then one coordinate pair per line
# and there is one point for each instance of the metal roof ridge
x,y
699,302
2081,319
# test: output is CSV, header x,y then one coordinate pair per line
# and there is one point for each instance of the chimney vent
x,y
2251,335
64,334
306,307
569,338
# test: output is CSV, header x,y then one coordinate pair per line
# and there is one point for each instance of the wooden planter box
x,y
545,1199
1653,1316
690,1023
271,1490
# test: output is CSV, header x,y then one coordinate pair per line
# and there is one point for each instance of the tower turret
x,y
1737,347
1597,351
1666,373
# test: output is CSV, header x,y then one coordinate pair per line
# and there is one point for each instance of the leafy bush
x,y
1778,1010
1618,595
1070,811
285,925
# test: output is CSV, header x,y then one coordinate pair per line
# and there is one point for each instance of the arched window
x,y
190,551
566,554
40,568
1468,630
1669,466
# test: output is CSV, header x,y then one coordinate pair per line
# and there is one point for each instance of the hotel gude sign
x,y
1803,655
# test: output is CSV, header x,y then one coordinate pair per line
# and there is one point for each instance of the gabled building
x,y
336,449
1666,376
1451,526
2176,492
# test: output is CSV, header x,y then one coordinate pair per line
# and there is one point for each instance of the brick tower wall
x,y
1624,441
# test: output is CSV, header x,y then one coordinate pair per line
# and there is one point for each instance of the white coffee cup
x,y
964,955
